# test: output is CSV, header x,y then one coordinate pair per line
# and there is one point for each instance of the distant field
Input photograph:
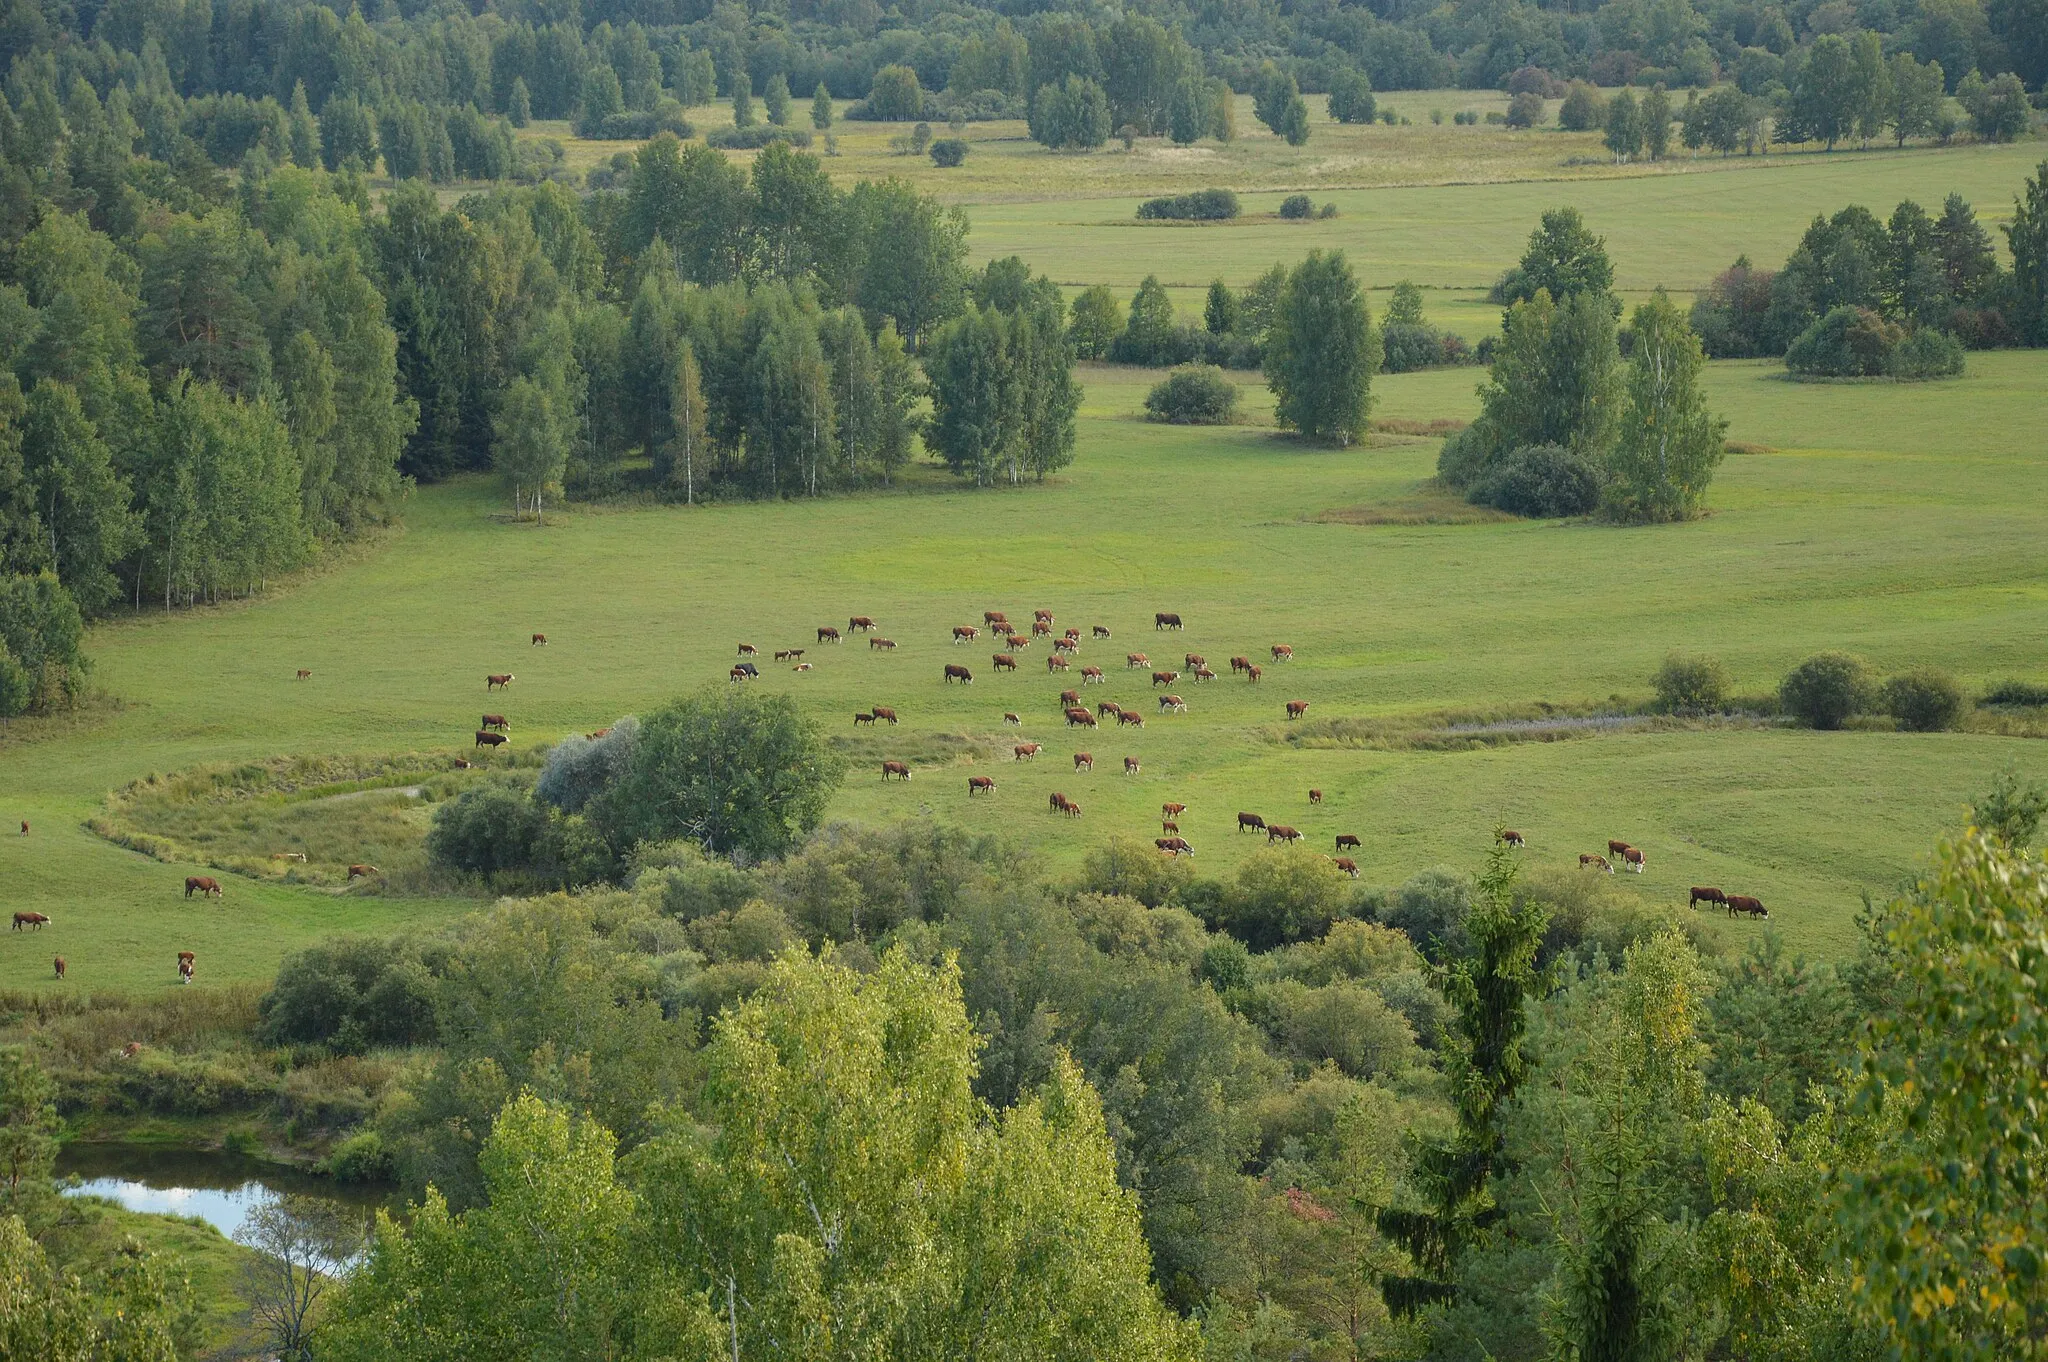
x,y
1903,522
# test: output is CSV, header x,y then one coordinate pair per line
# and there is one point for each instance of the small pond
x,y
220,1188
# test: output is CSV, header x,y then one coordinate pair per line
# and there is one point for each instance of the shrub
x,y
1534,80
350,994
1854,342
1193,397
1582,110
2016,693
1823,691
1296,207
1525,110
1431,908
1204,205
1407,347
755,136
1927,353
1690,684
1281,895
580,769
1924,700
488,830
1328,210
1127,868
361,1158
638,125
949,151
1543,481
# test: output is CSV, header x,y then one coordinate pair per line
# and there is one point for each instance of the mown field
x,y
1902,522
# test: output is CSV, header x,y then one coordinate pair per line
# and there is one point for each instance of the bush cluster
x,y
1204,205
1543,481
1691,684
756,136
1409,346
1193,397
1855,342
1829,688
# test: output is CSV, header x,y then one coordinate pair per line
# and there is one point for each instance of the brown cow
x,y
739,674
860,718
1163,620
1016,641
1041,629
860,622
1250,822
598,733
298,856
1043,616
1107,708
305,675
1315,796
1080,718
1203,674
749,650
1743,903
884,713
1074,634
1345,839
1012,718
185,967
1070,697
33,921
1172,810
1280,832
462,764
1195,660
1616,847
1173,704
1239,664
885,644
1165,678
1633,859
485,738
496,721
539,639
1101,631
1253,673
980,785
1132,768
995,617
1065,645
1056,663
895,768
1070,808
1132,660
24,827
788,654
1168,825
827,634
957,673
1296,708
1706,894
1512,838
1282,653
361,872
1089,674
1130,718
1056,801
202,884
1587,858
1024,751
1005,663
498,682
1346,864
965,633
59,963
1084,761
1173,846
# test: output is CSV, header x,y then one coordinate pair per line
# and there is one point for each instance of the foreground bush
x,y
1193,397
1823,691
1924,700
1689,684
1543,481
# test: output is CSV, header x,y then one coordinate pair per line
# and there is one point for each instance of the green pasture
x,y
1903,522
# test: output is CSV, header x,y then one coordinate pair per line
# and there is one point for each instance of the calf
x,y
1296,708
1091,674
1101,631
486,738
1024,751
884,713
788,654
539,639
298,856
1080,718
185,964
1084,761
362,872
1345,839
59,963
827,634
860,622
958,673
1074,634
1056,802
738,674
1165,678
1253,673
1129,718
895,768
1131,768
1633,859
1133,660
1743,903
862,718
205,885
35,921
965,633
1250,822
1346,864
1315,796
1511,837
305,674
885,644
496,721
1172,704
498,682
1165,620
1005,663
1282,653
1706,894
1587,858
1203,674
980,785
1056,663
1280,832
1173,846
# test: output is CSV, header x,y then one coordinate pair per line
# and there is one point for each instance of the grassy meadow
x,y
1900,521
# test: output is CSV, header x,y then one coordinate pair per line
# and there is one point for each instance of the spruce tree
x,y
742,100
776,100
821,107
521,112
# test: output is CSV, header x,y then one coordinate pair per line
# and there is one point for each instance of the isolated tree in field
x,y
1556,380
775,99
1071,115
895,96
1582,109
1719,119
1563,258
1404,308
2027,234
821,107
742,100
520,105
1668,444
1823,691
688,419
1321,352
1351,98
1624,126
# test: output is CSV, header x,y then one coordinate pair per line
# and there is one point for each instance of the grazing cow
x,y
496,721
1070,809
205,885
1005,663
1084,761
1195,660
1131,768
1042,616
1130,718
862,718
305,675
1743,903
1065,645
1280,832
994,617
1315,796
1253,673
739,674
1024,751
1168,825
1345,839
827,634
965,633
980,785
1134,660
298,856
462,764
486,738
1250,822
1633,859
1346,864
1172,810
1203,674
1282,653
59,963
131,1049
860,622
1172,704
1074,634
33,921
1296,708
1107,708
884,713
1101,631
1587,858
886,644
1016,641
24,827
895,768
498,682
958,673
788,654
184,968
539,640
750,669
1055,663
1041,629
1240,664
361,872
749,650
1164,620
1173,846
1165,678
1706,894
1056,801
1615,847
1089,674
1069,698
1512,838
1080,718
1010,718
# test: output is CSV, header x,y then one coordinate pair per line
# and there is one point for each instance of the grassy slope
x,y
1899,521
